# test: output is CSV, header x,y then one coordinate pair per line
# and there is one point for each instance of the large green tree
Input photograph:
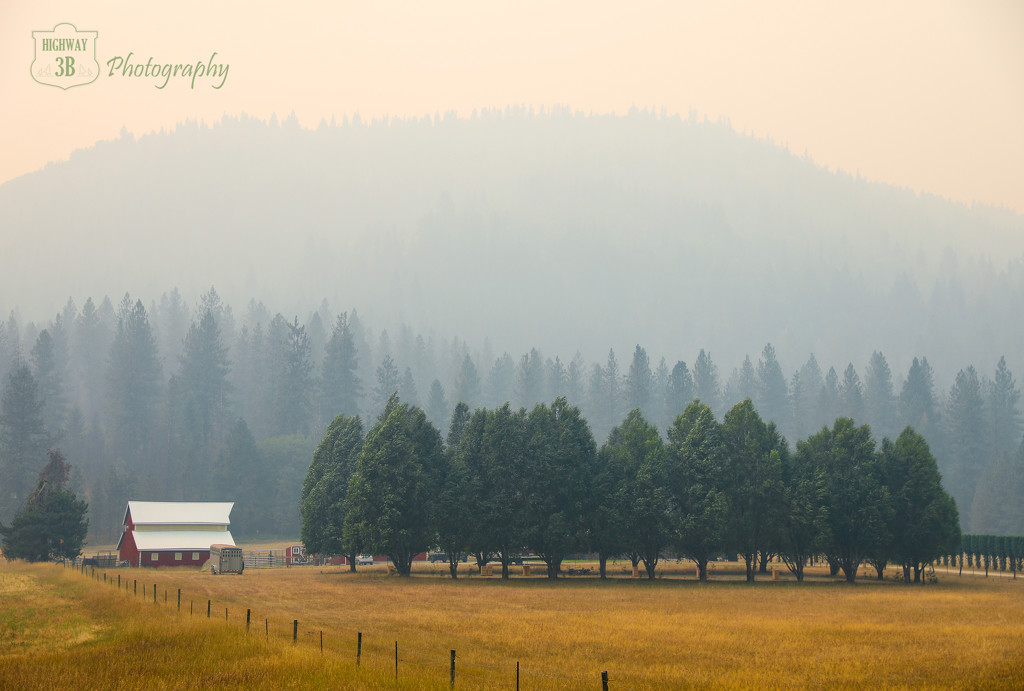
x,y
755,492
854,492
697,482
804,514
390,490
325,489
642,493
560,453
926,523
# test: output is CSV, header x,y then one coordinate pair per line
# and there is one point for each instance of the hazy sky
x,y
928,95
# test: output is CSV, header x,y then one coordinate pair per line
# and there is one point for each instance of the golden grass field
x,y
60,627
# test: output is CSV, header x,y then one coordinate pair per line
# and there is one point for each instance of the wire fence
x,y
386,655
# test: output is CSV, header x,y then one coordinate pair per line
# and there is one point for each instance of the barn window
x,y
177,556
152,556
195,556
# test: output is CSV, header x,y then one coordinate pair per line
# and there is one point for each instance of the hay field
x,y
64,627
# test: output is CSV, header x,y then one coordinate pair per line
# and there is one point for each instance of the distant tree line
x,y
507,480
998,552
191,403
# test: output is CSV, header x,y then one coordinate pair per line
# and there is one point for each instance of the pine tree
x,y
742,384
340,387
53,523
437,405
407,388
50,378
203,386
879,399
917,403
387,382
134,377
294,381
829,403
529,379
851,395
1004,416
639,383
679,392
500,381
467,383
772,394
967,434
22,438
705,380
555,379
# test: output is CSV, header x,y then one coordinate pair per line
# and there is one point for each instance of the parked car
x,y
364,560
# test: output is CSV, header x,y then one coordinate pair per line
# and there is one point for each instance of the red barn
x,y
173,533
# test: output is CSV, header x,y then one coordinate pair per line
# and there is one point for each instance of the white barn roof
x,y
179,512
185,540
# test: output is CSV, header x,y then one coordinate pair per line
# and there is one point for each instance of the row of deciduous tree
x,y
506,480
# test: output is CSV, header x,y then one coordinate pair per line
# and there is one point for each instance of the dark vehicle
x,y
434,557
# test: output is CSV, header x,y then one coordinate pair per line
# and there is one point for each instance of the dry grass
x,y
960,633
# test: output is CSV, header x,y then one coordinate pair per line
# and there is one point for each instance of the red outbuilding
x,y
173,533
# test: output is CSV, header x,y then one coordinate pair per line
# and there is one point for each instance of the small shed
x,y
173,533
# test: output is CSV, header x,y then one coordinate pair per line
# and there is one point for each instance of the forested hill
x,y
553,230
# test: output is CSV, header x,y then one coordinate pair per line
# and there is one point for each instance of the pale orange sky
x,y
927,95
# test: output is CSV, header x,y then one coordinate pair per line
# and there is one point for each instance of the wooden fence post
x,y
154,593
359,647
179,599
396,660
295,631
321,641
604,681
451,676
207,609
248,616
517,675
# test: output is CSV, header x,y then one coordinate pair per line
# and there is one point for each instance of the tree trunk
x,y
749,560
702,570
649,566
799,571
554,566
917,573
602,560
351,562
880,569
833,565
765,558
481,562
453,565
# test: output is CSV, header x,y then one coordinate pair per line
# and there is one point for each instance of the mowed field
x,y
60,627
